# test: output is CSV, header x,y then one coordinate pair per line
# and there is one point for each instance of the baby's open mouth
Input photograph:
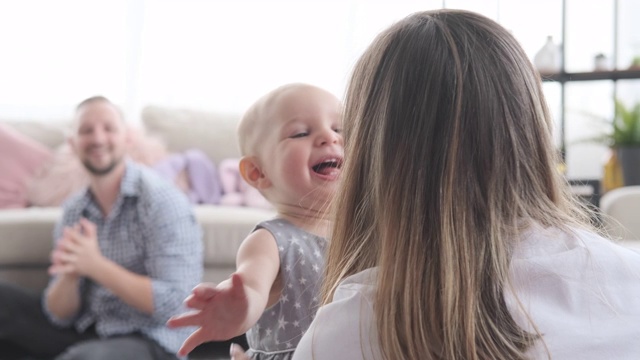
x,y
328,166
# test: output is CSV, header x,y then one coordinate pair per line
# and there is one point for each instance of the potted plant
x,y
623,136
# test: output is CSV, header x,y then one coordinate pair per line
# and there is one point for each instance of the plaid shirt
x,y
152,231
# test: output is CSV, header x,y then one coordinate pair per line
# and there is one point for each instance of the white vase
x,y
549,58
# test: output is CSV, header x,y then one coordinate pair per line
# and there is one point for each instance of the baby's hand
x,y
220,313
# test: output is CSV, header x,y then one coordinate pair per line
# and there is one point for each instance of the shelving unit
x,y
592,76
565,77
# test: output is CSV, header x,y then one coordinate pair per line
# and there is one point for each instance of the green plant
x,y
626,126
623,130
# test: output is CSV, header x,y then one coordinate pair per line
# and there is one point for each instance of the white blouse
x,y
582,292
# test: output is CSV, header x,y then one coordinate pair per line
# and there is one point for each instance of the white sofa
x,y
26,234
621,209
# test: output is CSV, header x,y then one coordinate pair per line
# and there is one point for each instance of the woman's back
x,y
575,288
581,291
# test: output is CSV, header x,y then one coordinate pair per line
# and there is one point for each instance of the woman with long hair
x,y
455,236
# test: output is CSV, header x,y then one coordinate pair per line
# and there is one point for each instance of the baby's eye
x,y
299,135
338,130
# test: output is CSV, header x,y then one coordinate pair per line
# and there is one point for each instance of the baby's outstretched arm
x,y
235,305
218,312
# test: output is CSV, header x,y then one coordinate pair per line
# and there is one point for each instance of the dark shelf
x,y
592,75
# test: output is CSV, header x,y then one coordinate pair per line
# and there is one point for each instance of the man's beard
x,y
100,171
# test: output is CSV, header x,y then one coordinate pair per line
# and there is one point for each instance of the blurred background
x,y
222,54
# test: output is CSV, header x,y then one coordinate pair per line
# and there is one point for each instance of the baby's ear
x,y
251,172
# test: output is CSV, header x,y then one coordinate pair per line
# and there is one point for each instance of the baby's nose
x,y
328,137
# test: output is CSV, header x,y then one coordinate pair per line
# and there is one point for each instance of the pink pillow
x,y
20,158
236,191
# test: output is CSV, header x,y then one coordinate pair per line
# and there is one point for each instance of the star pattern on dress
x,y
301,256
282,323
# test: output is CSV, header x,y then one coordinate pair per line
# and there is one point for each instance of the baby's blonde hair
x,y
252,125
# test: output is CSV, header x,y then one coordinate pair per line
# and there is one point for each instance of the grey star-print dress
x,y
279,329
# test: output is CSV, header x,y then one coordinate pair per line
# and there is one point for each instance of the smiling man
x,y
127,251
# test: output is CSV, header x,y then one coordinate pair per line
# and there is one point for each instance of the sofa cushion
x,y
183,129
21,157
51,133
224,228
27,235
30,277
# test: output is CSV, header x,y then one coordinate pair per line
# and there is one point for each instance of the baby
x,y
292,151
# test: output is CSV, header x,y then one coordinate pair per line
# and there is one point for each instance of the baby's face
x,y
303,154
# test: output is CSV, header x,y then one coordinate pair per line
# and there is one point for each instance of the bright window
x,y
222,54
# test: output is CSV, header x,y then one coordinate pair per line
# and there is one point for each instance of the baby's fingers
x,y
205,291
195,302
193,318
198,337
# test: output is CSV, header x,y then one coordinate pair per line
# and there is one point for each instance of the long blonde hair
x,y
449,156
